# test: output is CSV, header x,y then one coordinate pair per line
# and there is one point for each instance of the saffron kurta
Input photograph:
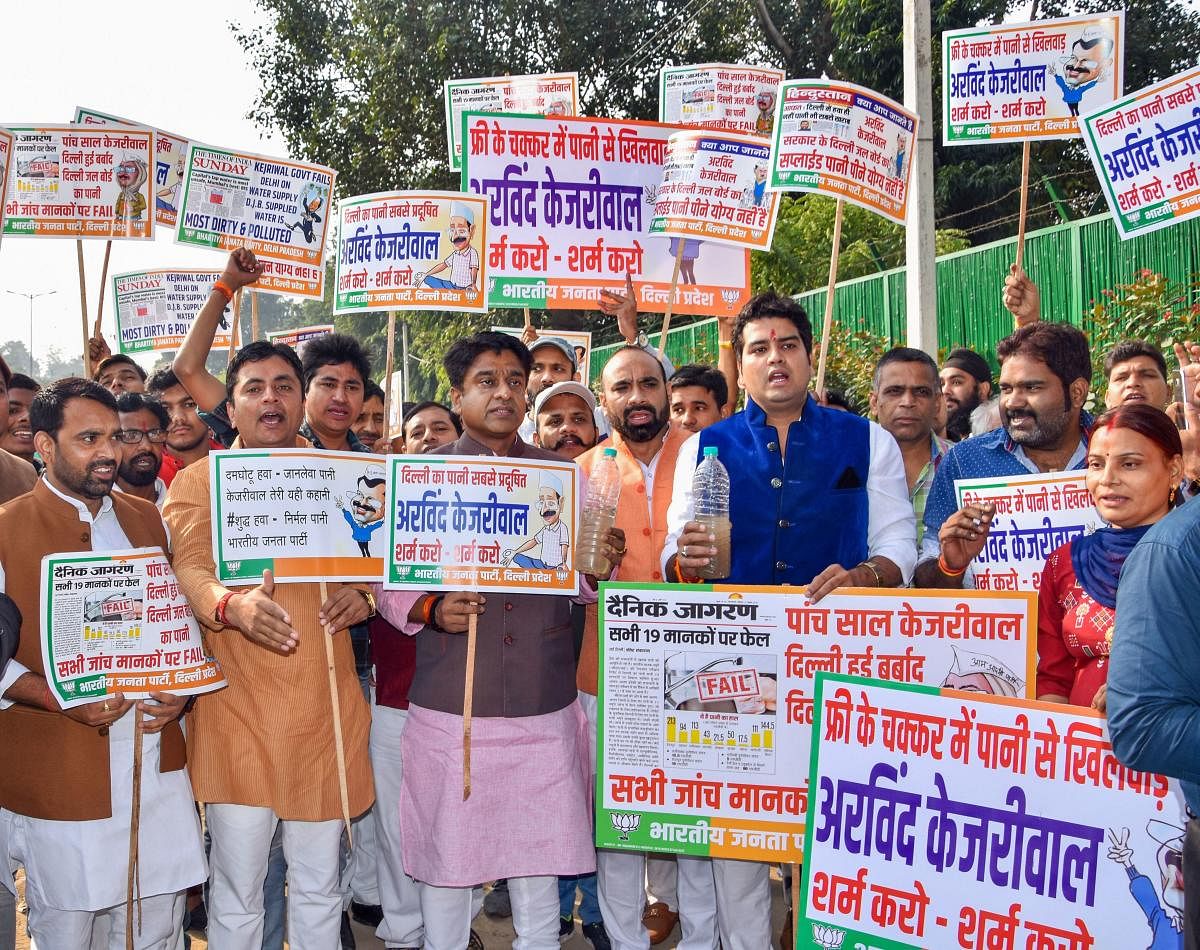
x,y
267,738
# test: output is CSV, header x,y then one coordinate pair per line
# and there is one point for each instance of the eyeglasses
x,y
134,436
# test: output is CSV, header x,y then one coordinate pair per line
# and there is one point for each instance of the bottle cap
x,y
610,452
710,451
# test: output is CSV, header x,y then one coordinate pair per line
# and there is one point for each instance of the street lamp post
x,y
31,298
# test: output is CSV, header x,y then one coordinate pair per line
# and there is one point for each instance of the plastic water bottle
x,y
599,514
710,494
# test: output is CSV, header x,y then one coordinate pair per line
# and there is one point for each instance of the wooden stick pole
x,y
336,703
83,308
389,367
254,328
666,324
100,296
235,324
468,703
827,326
1024,206
133,885
796,915
528,319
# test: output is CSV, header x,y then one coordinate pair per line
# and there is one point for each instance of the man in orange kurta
x,y
263,748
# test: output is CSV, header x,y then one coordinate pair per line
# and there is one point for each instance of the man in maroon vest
x,y
65,811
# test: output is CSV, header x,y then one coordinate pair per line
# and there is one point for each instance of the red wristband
x,y
942,566
679,574
223,288
222,604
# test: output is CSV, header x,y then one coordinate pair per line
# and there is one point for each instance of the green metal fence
x,y
1071,264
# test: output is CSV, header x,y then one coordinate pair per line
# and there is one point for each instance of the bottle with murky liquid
x,y
599,514
710,498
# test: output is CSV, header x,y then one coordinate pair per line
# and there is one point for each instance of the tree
x,y
16,354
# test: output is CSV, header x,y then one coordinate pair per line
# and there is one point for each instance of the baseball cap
x,y
568,386
560,344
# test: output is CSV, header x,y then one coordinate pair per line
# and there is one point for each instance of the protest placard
x,y
706,698
1146,150
294,338
411,250
6,148
545,94
714,188
1022,81
155,309
736,98
466,523
570,210
1034,515
950,819
170,153
74,181
278,209
306,514
844,141
117,622
580,340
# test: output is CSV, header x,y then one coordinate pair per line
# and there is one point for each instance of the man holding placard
x,y
264,749
68,834
526,817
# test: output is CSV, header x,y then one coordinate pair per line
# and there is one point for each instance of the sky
x,y
204,93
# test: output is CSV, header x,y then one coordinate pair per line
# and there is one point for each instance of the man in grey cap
x,y
553,362
966,382
463,263
565,417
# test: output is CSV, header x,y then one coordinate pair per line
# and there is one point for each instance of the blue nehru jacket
x,y
793,517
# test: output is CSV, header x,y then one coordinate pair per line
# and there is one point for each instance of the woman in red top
x,y
1134,466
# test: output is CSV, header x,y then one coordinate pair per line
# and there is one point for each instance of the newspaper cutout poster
x,y
951,819
411,250
1034,515
487,524
844,141
170,153
117,622
277,208
305,514
75,181
553,94
6,151
294,338
1146,150
1023,81
706,698
154,309
736,98
580,340
714,188
570,208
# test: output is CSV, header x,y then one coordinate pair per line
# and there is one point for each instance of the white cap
x,y
550,480
460,209
569,386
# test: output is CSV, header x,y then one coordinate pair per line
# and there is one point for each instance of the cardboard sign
x,y
155,309
720,96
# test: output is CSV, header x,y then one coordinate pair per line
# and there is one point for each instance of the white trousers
x,y
398,893
621,878
662,880
241,840
54,929
360,876
448,912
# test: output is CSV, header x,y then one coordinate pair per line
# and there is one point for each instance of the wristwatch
x,y
370,603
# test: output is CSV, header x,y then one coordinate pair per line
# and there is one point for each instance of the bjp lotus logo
x,y
830,938
731,296
625,822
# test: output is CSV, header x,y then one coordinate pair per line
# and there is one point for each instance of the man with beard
x,y
16,476
817,500
966,382
1045,372
261,749
188,438
635,401
566,422
554,361
69,834
144,424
